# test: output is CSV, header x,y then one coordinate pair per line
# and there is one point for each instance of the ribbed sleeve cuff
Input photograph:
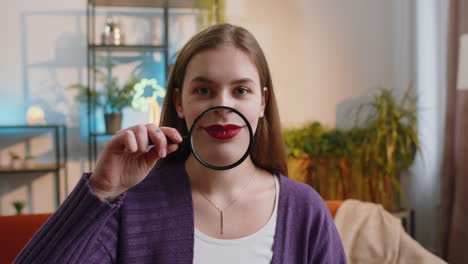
x,y
115,202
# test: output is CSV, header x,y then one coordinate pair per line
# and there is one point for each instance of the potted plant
x,y
14,160
363,163
391,140
19,206
113,99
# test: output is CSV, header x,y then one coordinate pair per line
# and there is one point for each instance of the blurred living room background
x,y
372,96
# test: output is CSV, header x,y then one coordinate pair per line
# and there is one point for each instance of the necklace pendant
x,y
222,223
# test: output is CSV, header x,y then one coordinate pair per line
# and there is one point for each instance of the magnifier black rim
x,y
247,152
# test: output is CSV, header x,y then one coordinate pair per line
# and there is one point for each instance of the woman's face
x,y
221,77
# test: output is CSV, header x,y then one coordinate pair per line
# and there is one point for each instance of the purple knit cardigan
x,y
153,222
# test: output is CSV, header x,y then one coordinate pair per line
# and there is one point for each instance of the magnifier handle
x,y
169,141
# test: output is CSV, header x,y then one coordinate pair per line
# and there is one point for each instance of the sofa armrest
x,y
16,231
333,206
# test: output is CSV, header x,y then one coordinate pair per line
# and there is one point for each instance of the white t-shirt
x,y
255,248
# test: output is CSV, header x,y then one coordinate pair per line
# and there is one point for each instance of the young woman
x,y
162,206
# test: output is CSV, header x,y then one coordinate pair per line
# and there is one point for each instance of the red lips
x,y
223,132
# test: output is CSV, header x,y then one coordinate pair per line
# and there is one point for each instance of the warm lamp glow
x,y
155,111
35,115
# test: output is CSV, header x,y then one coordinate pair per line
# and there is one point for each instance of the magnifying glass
x,y
220,138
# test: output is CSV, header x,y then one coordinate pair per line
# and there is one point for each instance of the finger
x,y
124,141
153,154
158,138
172,134
172,148
141,136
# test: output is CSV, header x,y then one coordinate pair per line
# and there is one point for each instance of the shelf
x,y
32,126
144,3
58,166
163,10
46,167
100,134
127,47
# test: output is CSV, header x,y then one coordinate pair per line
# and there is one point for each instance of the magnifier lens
x,y
220,137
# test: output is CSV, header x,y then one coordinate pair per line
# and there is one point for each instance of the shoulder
x,y
306,209
303,197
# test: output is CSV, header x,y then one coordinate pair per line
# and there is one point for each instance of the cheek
x,y
191,112
253,118
189,118
254,125
253,113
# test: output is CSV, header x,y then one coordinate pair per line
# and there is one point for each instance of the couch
x,y
17,230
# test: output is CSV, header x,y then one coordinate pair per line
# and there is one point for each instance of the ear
x,y
177,100
264,101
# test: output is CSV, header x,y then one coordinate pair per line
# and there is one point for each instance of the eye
x,y
202,90
241,90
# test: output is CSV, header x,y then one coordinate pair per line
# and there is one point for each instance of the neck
x,y
223,184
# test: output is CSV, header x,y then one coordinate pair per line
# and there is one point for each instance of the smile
x,y
223,132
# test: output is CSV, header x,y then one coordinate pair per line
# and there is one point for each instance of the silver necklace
x,y
231,203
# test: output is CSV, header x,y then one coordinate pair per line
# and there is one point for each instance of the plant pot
x,y
30,163
113,122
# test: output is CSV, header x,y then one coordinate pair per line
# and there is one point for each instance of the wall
x,y
323,53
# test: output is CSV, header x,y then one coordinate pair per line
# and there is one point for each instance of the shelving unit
x,y
127,47
60,152
163,7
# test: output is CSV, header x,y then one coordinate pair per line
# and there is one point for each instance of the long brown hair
x,y
269,148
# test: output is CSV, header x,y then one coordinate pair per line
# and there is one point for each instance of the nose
x,y
222,112
223,99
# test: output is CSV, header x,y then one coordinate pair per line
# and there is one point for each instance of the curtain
x,y
454,199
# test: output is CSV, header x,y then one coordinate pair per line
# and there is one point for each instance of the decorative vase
x,y
112,34
113,122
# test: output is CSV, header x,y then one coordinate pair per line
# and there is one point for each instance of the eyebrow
x,y
207,80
